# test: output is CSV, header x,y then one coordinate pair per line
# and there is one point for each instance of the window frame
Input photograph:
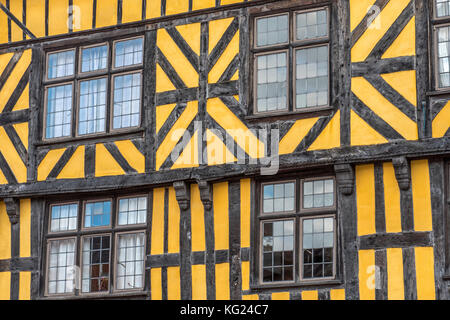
x,y
113,54
56,204
298,216
83,212
80,55
75,67
131,196
261,200
291,47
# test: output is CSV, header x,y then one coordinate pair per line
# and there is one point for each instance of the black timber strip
x,y
380,218
198,257
119,11
407,209
68,153
17,143
114,151
89,161
230,70
210,254
381,283
234,106
170,122
409,274
393,32
393,96
185,48
7,172
9,68
17,21
176,96
229,88
234,215
170,71
315,131
396,240
226,38
390,65
166,220
163,260
185,253
164,282
377,123
203,121
15,254
18,91
324,294
14,117
370,16
149,88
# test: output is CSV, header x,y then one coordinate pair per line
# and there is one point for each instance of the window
x,y
291,62
89,92
104,237
297,220
442,43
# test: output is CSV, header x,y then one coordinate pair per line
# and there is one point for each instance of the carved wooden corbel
x,y
12,209
182,195
206,194
345,178
402,172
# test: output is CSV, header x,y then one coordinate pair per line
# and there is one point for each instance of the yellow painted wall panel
x,y
245,212
197,220
203,4
217,152
156,283
106,13
5,285
163,112
11,156
176,6
25,228
82,15
16,8
35,12
174,223
404,82
225,59
157,234
330,137
22,132
421,190
250,297
216,30
133,156
191,34
337,294
223,281
362,133
245,270
74,169
396,290
426,288
295,135
189,157
48,163
393,212
153,9
4,58
2,178
173,283
3,26
131,10
358,10
280,296
221,220
24,100
310,295
105,164
5,234
367,274
365,199
199,282
163,82
225,2
405,44
25,286
441,122
58,16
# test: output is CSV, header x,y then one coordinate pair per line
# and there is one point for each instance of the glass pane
x,y
132,211
95,270
272,30
59,112
63,217
94,58
92,106
61,267
130,261
127,101
442,8
311,25
128,52
61,64
271,89
443,56
97,214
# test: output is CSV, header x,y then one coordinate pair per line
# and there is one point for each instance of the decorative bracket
x,y
206,194
12,209
402,172
182,195
345,178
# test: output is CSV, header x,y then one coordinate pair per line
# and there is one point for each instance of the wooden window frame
x,y
435,24
109,73
291,47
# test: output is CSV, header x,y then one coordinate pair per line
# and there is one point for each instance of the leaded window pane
x,y
272,30
311,25
128,52
279,197
64,217
61,271
318,194
132,211
130,261
61,64
127,101
94,58
59,112
97,214
442,8
96,264
444,56
92,113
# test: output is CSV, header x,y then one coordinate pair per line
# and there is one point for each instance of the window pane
x,y
59,112
271,90
318,194
317,248
127,101
92,113
278,251
312,77
97,214
132,211
61,269
61,64
312,25
130,261
278,197
444,56
94,58
442,8
272,30
64,217
128,52
96,264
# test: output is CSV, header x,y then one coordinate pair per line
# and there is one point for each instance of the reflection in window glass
x,y
64,217
96,252
278,251
61,269
444,56
271,91
312,25
272,30
92,106
127,101
318,194
97,214
130,261
58,122
94,58
128,52
61,64
279,197
318,244
132,211
442,8
312,77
